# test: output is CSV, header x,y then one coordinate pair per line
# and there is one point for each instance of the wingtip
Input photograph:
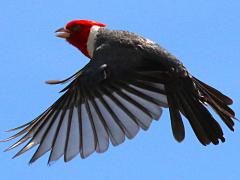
x,y
4,140
6,150
10,130
11,147
13,129
17,128
30,163
32,160
7,139
16,155
50,162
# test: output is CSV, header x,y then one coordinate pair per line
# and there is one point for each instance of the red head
x,y
77,33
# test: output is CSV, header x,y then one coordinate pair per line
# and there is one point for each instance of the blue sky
x,y
203,34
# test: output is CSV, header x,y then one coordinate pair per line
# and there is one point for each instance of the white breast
x,y
92,39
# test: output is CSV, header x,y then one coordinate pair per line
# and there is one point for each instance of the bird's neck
x,y
85,40
92,40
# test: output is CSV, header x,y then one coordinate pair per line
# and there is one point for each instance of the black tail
x,y
190,97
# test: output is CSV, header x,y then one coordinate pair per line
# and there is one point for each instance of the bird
x,y
124,87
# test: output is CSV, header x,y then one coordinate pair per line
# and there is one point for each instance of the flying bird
x,y
126,84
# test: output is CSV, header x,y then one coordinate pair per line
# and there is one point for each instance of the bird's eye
x,y
76,27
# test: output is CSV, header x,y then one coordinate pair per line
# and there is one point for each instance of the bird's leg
x,y
97,75
103,68
53,82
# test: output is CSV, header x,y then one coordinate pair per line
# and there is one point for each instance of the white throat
x,y
92,39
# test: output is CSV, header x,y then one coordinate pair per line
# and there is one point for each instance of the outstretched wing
x,y
107,101
122,89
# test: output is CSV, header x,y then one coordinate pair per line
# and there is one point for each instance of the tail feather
x,y
190,97
209,124
189,109
176,119
214,92
227,120
218,101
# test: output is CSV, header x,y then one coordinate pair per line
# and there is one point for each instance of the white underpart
x,y
92,39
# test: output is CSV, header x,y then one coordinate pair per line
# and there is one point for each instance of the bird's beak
x,y
63,33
